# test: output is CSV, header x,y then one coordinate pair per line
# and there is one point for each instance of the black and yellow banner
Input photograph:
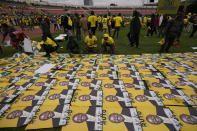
x,y
168,6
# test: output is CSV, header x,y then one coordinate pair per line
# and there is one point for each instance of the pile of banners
x,y
98,92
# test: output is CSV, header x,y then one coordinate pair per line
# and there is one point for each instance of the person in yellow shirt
x,y
100,22
144,21
108,41
92,22
185,20
109,22
118,21
104,22
90,42
48,45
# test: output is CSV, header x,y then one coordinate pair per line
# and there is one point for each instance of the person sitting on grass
x,y
73,45
108,41
90,42
17,40
48,45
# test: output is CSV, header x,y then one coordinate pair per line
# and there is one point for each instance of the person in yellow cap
x,y
90,42
108,41
48,45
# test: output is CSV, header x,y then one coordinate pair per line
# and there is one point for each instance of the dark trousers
x,y
49,49
111,46
109,29
194,30
116,32
133,39
168,43
93,30
91,50
78,33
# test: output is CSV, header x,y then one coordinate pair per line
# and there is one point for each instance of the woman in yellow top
x,y
48,45
90,42
118,22
108,41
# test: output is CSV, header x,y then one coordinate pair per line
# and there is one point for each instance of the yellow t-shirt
x,y
145,20
109,41
109,18
70,23
118,21
91,42
49,42
92,19
104,21
186,21
99,19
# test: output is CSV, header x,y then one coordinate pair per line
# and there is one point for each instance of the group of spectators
x,y
165,26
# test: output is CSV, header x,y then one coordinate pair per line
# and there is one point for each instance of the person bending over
x,y
48,45
108,41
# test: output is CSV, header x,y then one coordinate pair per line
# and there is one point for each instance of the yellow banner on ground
x,y
168,6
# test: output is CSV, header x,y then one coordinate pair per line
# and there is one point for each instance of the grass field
x,y
147,44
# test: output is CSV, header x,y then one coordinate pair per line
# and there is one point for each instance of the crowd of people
x,y
84,28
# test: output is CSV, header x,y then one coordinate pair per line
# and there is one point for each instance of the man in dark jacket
x,y
173,32
135,26
194,21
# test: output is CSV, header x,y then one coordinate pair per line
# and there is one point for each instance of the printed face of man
x,y
106,67
160,66
128,85
46,115
79,118
54,96
39,84
109,86
62,74
171,73
141,98
148,75
116,118
15,114
194,97
126,75
188,119
28,98
124,68
169,96
84,97
29,77
86,84
143,67
111,98
154,119
103,75
89,67
155,84
180,83
31,70
82,74
63,83
3,95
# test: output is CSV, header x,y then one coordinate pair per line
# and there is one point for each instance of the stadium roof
x,y
98,2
